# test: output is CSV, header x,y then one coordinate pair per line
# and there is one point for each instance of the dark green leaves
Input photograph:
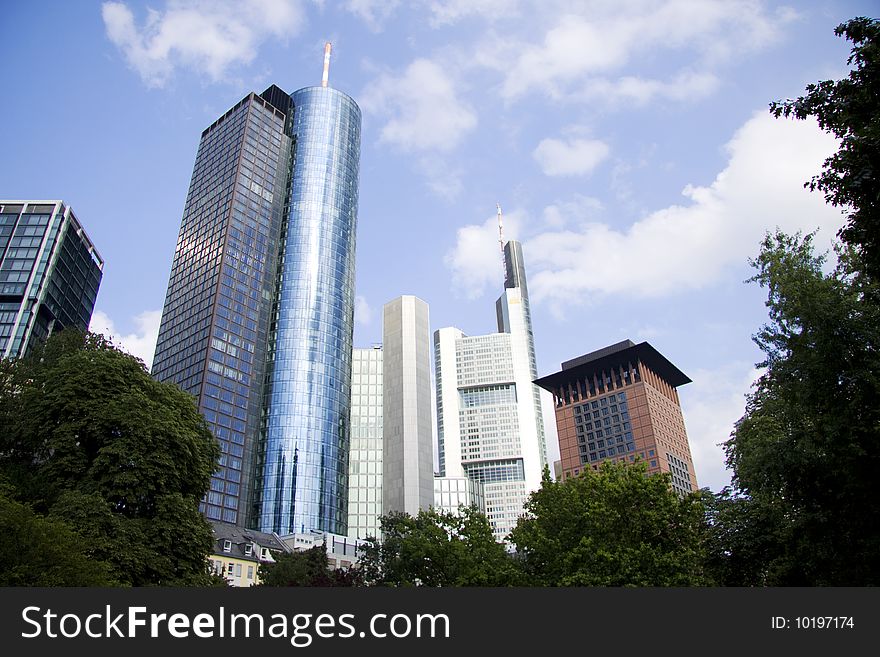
x,y
850,109
805,454
90,438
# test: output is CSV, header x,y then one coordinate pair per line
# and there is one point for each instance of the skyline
x,y
629,144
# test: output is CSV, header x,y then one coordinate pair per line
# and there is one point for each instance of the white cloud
x,y
373,12
634,90
690,245
711,405
208,37
141,343
588,41
577,157
573,47
446,12
558,215
423,110
443,178
363,312
476,262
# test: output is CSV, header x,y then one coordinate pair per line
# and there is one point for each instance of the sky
x,y
628,142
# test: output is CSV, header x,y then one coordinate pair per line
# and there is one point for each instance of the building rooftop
x,y
619,353
240,537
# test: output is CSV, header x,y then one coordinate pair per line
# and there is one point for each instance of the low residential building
x,y
238,553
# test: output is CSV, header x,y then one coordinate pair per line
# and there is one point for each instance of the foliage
x,y
92,439
305,568
805,452
613,527
39,551
850,109
742,537
808,448
436,548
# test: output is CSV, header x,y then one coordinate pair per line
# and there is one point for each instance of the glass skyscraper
x,y
366,454
489,414
49,273
259,315
305,473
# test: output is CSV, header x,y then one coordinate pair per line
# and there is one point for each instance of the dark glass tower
x,y
49,273
213,336
258,318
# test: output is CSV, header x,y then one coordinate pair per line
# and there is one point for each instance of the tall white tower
x,y
408,453
489,418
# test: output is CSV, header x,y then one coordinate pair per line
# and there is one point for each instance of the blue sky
x,y
628,142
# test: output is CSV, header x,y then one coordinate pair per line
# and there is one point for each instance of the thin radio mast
x,y
500,228
326,75
501,235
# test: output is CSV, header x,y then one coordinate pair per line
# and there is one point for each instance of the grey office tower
x,y
259,315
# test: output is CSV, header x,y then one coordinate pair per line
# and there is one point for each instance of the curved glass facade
x,y
305,472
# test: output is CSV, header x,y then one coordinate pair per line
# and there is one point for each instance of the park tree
x,y
91,439
850,110
616,526
805,454
306,568
43,551
743,536
436,548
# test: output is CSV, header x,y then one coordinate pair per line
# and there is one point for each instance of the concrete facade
x,y
408,453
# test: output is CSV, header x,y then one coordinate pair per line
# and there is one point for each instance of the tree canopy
x,y
806,452
306,568
850,109
613,527
91,439
39,551
436,548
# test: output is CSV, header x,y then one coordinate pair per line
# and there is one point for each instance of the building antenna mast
x,y
500,228
326,74
501,239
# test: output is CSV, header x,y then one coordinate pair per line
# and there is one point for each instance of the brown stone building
x,y
620,403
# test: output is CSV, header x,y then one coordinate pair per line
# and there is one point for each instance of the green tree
x,y
39,551
306,568
436,548
93,440
613,527
743,537
850,109
807,450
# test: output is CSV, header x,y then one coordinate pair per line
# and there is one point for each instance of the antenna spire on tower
x,y
500,228
326,74
501,237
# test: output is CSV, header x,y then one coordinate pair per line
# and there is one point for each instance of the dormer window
x,y
249,549
227,545
264,553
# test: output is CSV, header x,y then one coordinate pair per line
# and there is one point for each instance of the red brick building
x,y
620,403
